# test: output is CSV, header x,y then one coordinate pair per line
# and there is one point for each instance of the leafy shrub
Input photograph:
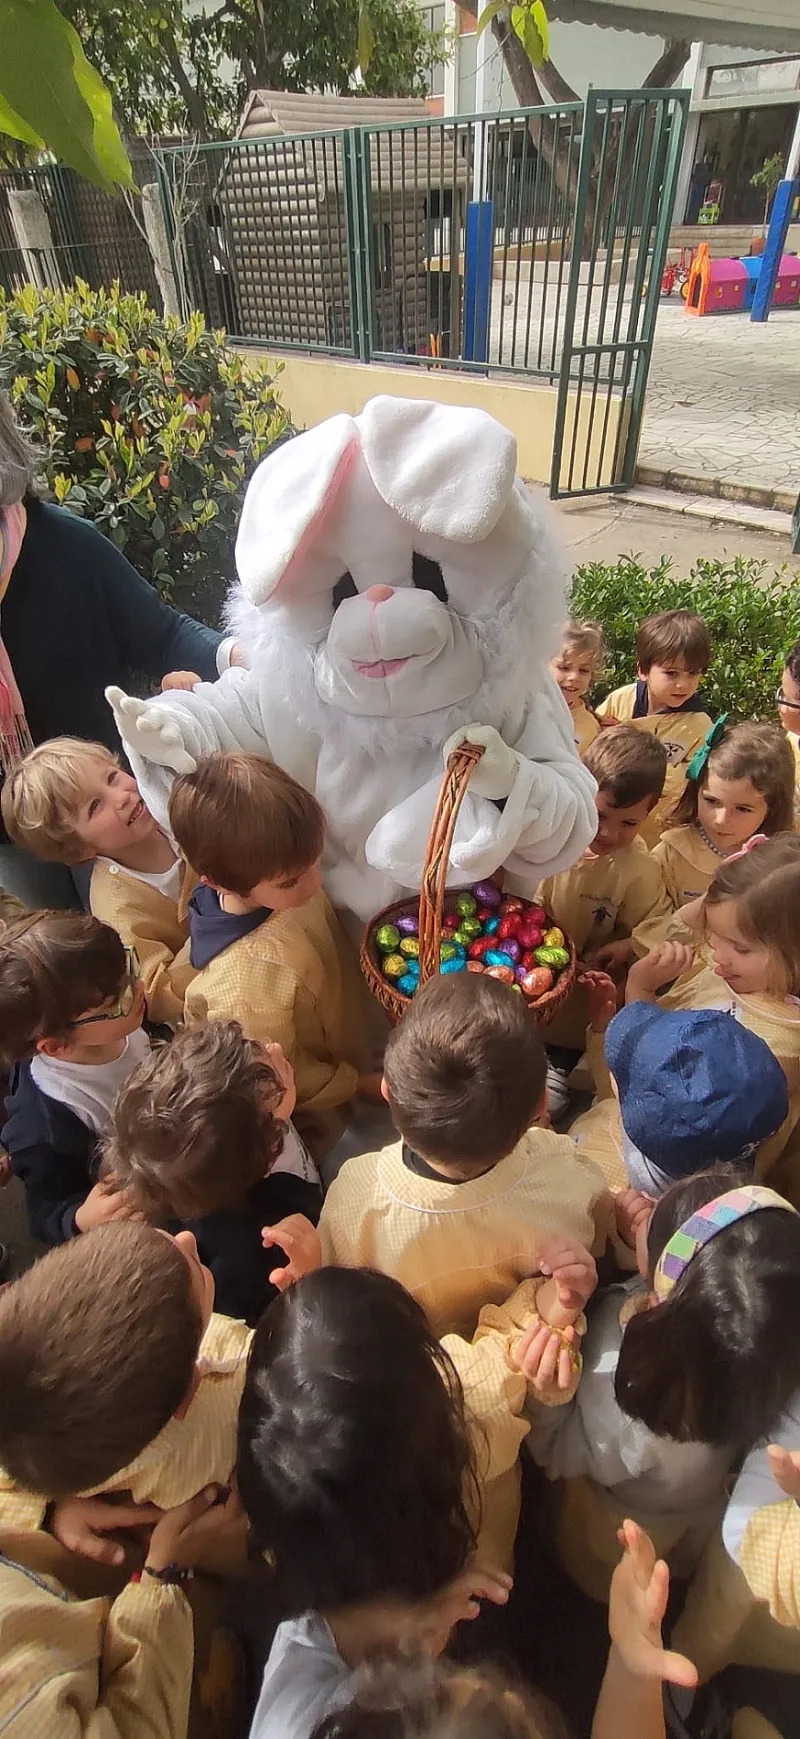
x,y
752,611
149,427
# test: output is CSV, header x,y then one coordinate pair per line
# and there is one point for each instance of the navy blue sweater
x,y
77,617
230,1242
52,1152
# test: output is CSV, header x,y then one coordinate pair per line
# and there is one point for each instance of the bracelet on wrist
x,y
171,1575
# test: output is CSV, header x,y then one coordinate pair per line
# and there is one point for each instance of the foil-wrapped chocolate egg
x,y
394,965
387,937
537,982
487,894
457,965
408,926
504,973
408,983
467,905
553,938
475,966
409,945
557,957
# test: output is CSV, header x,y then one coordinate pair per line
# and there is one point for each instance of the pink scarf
x,y
15,738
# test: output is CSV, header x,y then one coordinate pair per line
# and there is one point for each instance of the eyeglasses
x,y
782,699
125,999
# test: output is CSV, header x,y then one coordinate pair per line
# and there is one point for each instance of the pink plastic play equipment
x,y
715,286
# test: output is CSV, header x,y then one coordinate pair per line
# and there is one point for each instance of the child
x,y
345,1362
201,1131
69,802
740,783
673,652
116,1377
615,886
266,945
682,1376
751,922
470,1199
788,699
71,1007
575,669
690,1090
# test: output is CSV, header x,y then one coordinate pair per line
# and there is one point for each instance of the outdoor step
x,y
715,507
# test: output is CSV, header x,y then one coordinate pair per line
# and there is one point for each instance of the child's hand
x,y
661,966
785,1469
5,1169
612,957
637,1603
632,1208
184,679
105,1202
369,1087
601,996
543,1357
574,1278
300,1240
434,1620
207,1533
82,1525
280,1063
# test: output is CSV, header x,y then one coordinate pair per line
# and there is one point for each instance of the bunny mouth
x,y
381,666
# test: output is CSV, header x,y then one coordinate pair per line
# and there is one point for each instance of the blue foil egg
x,y
453,966
490,926
408,983
496,957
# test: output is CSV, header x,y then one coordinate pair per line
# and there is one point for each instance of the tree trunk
x,y
195,107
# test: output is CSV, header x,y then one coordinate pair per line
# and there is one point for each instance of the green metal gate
x,y
630,155
527,245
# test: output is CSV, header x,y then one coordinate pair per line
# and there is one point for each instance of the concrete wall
x,y
313,388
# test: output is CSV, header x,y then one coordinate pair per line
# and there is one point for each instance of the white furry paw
x,y
148,731
496,771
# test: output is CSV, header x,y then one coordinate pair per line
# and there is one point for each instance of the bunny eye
x,y
427,577
345,588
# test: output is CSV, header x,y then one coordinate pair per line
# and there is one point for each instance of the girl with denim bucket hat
x,y
692,1088
685,1368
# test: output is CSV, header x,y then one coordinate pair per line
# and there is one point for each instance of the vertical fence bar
x,y
674,109
579,217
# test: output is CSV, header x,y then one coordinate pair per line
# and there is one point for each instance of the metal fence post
x,y
578,221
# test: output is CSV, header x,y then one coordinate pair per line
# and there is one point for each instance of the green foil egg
x,y
556,957
447,951
467,905
410,947
387,937
463,937
395,965
472,926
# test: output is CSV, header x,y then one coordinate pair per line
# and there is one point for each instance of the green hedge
x,y
751,608
148,426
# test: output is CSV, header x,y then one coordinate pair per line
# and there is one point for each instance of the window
x,y
433,18
751,78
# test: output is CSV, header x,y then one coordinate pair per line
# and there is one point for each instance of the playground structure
x,y
729,286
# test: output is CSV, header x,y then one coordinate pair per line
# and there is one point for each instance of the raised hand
x,y
148,730
300,1241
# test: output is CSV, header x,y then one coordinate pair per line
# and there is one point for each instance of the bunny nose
x,y
379,594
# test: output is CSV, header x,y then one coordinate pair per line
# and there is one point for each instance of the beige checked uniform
x,y
585,725
155,926
681,733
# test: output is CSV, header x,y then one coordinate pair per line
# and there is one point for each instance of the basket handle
x,y
457,776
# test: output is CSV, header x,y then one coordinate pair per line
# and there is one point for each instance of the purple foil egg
x,y
512,947
408,926
520,972
487,894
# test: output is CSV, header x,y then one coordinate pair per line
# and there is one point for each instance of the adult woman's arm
x,y
152,637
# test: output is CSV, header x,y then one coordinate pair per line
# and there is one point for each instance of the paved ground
x,y
608,526
723,398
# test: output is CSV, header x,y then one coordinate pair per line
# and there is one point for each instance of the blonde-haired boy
x,y
69,801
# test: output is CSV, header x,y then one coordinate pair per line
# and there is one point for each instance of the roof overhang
x,y
771,25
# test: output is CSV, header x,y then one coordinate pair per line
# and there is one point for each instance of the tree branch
x,y
195,107
669,64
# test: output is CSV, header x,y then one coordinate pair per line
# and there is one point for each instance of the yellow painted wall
x,y
314,387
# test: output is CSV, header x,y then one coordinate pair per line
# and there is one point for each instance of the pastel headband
x,y
704,1225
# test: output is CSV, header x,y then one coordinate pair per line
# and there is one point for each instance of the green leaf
x,y
525,26
489,12
48,85
366,37
13,124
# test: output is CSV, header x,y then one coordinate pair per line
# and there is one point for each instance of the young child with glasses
x,y
71,1008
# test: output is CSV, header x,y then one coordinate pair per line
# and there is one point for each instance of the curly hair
x,y
354,1460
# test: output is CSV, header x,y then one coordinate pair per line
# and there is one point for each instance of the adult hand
x,y
147,730
601,997
636,1608
184,679
545,1357
300,1241
83,1525
106,1201
207,1533
496,771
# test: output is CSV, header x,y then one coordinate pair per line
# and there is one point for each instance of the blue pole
x,y
773,251
478,261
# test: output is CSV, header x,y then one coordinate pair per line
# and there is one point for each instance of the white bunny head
x,y
393,542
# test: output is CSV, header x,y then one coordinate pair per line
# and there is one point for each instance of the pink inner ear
x,y
323,512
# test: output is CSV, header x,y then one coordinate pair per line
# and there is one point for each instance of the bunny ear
x,y
288,498
448,470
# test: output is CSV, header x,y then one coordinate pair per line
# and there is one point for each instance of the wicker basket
x,y
435,901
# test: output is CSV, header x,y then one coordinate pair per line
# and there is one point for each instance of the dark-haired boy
x,y
71,1008
673,652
